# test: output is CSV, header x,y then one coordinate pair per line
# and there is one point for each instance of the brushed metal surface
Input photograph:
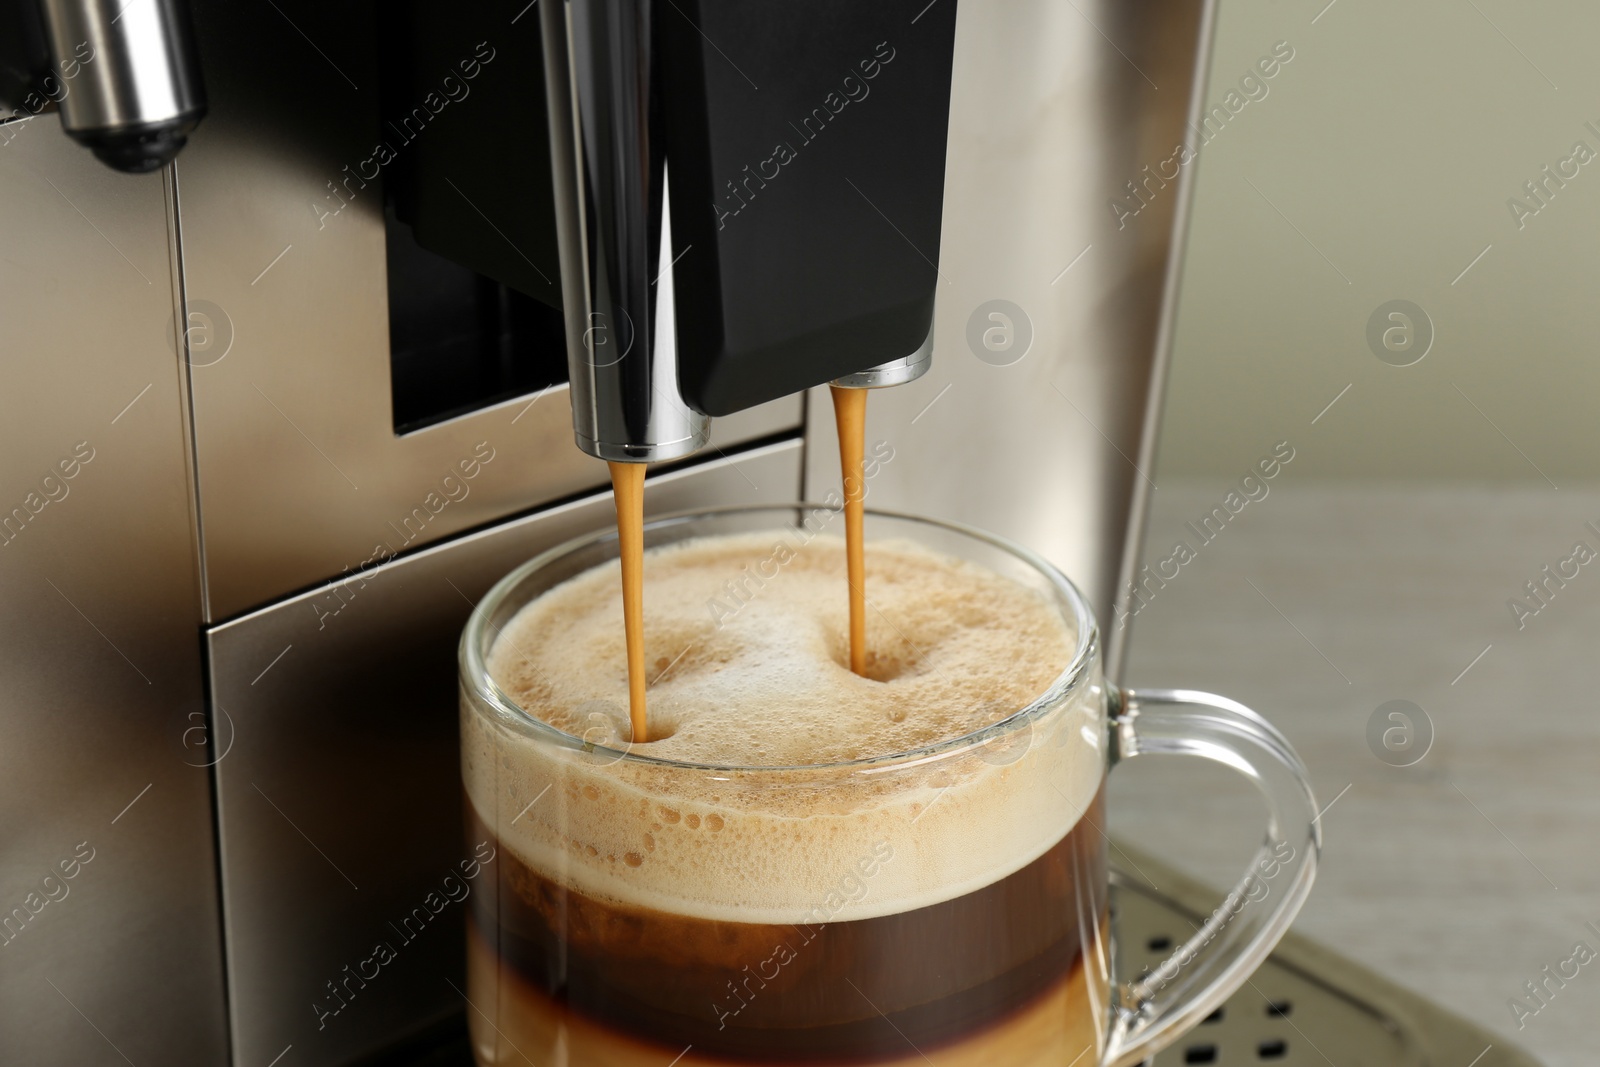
x,y
340,799
99,647
301,474
1054,107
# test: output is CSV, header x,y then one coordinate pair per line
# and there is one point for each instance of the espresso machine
x,y
318,320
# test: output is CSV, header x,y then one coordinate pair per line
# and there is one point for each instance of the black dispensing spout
x,y
748,200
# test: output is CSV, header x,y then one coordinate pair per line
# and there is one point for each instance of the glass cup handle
x,y
1152,1011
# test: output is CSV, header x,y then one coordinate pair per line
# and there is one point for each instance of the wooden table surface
x,y
1463,875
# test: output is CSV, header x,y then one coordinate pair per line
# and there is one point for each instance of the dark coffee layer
x,y
834,992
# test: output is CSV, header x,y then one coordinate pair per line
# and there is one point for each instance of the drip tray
x,y
1305,1006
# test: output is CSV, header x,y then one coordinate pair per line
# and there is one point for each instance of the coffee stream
x,y
627,486
850,415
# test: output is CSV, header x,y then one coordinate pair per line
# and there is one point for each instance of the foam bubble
x,y
746,648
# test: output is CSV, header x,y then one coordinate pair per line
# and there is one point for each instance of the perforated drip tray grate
x,y
1305,1006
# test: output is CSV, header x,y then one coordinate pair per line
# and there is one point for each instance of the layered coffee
x,y
758,884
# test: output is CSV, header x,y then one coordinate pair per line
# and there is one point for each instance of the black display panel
x,y
473,280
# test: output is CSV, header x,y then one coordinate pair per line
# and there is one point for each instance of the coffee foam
x,y
747,645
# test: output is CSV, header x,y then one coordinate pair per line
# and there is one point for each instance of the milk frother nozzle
x,y
128,78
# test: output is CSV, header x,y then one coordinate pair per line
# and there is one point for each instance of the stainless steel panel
x,y
340,799
102,739
1054,108
301,473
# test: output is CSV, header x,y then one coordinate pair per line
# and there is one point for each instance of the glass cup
x,y
946,905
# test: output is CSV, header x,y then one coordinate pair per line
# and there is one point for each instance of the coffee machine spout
x,y
615,233
742,285
895,372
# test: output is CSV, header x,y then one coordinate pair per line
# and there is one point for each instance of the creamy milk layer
x,y
747,649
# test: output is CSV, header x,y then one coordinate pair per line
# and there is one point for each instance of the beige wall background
x,y
1378,167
